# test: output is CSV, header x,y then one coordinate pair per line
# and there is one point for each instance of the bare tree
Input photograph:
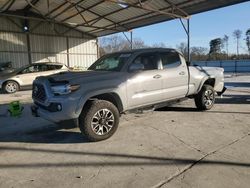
x,y
115,43
138,43
159,45
237,35
183,48
198,53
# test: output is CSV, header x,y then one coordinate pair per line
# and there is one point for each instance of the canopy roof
x,y
103,17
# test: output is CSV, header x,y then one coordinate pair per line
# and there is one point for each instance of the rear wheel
x,y
11,87
99,120
205,99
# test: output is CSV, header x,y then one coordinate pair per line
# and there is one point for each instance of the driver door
x,y
144,87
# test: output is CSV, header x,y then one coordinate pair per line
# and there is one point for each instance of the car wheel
x,y
99,120
205,99
11,87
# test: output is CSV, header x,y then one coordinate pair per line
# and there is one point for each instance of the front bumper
x,y
1,83
66,111
221,92
66,124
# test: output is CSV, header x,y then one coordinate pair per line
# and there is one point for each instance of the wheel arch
x,y
112,97
3,84
207,81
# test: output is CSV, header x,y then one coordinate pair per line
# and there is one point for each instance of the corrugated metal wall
x,y
45,42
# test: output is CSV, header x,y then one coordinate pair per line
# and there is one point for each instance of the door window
x,y
31,69
170,59
149,61
54,67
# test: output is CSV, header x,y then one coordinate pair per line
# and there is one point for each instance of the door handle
x,y
182,73
157,76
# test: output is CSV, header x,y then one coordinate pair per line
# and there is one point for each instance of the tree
x,y
225,42
198,53
115,43
159,45
215,47
248,40
237,35
138,43
183,48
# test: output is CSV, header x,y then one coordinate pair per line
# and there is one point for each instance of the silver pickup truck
x,y
121,82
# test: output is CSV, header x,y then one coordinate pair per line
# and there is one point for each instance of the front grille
x,y
38,92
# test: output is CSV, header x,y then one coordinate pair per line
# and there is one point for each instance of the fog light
x,y
59,107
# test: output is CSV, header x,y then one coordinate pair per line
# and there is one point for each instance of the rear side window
x,y
149,61
54,67
170,59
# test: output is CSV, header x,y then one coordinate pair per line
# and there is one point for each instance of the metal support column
x,y
188,36
187,30
28,48
27,31
131,39
67,43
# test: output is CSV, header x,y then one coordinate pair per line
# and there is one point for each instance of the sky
x,y
203,27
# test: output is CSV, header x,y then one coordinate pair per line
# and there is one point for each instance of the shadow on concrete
x,y
237,84
188,109
132,160
233,99
52,134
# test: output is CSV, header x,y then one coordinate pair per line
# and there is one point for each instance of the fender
x,y
90,94
203,81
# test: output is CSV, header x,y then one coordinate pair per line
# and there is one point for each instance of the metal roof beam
x,y
143,7
83,10
100,16
176,7
28,7
67,8
116,11
47,20
104,16
136,17
8,4
55,9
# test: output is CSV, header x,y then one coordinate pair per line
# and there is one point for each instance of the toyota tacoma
x,y
122,82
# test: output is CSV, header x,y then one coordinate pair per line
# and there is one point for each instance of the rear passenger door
x,y
145,86
174,75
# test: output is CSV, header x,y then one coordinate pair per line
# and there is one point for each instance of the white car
x,y
23,77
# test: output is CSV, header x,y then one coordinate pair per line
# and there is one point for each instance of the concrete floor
x,y
171,147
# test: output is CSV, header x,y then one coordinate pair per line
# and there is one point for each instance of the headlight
x,y
64,89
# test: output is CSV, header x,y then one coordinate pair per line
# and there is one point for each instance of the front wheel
x,y
11,87
205,99
99,120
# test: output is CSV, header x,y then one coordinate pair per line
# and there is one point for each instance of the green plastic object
x,y
15,109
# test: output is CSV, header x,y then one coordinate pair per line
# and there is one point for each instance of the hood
x,y
7,74
86,76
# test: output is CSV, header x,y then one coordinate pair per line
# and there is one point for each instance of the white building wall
x,y
48,43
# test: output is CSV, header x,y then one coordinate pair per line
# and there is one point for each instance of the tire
x,y
205,99
99,120
11,87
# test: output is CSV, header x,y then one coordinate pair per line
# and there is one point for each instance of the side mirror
x,y
135,67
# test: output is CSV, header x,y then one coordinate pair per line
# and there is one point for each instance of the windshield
x,y
113,62
17,70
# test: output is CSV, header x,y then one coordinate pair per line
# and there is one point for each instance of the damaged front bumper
x,y
221,92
